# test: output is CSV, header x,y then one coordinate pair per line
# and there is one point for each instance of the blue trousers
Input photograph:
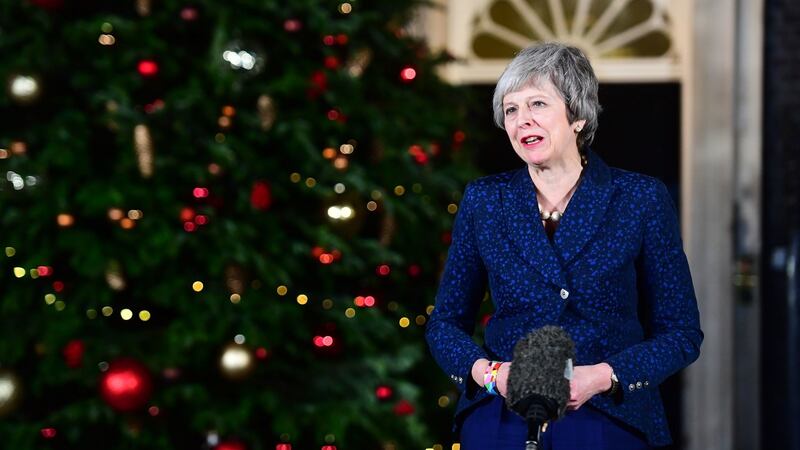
x,y
492,426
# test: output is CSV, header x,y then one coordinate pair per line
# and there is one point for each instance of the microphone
x,y
538,381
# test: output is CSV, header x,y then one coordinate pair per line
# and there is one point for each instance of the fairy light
x,y
107,311
60,305
452,208
115,214
295,177
350,313
327,303
144,315
91,313
329,153
346,149
65,220
197,286
11,251
302,299
420,320
311,182
50,299
19,272
404,322
282,290
345,8
399,190
239,339
371,205
236,298
339,188
126,314
429,310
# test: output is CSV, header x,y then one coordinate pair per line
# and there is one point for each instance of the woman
x,y
565,241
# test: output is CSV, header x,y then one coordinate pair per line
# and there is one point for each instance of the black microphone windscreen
x,y
538,372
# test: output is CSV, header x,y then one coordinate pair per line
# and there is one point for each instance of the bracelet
x,y
490,377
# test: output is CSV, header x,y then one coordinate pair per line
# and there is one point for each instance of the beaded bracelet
x,y
490,377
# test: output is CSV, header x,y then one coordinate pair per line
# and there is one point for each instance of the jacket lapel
x,y
586,211
524,227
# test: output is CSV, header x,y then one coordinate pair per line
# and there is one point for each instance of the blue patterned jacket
x,y
619,229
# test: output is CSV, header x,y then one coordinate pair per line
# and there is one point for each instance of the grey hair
x,y
568,69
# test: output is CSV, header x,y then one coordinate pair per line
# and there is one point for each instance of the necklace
x,y
555,215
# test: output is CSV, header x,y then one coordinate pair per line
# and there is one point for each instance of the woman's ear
x,y
578,125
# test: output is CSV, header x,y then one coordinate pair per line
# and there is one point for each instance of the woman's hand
x,y
588,381
502,378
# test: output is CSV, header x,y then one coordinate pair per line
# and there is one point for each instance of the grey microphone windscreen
x,y
537,374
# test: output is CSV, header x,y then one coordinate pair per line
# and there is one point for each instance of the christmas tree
x,y
222,224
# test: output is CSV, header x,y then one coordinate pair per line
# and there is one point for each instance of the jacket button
x,y
460,380
631,387
564,294
646,383
638,385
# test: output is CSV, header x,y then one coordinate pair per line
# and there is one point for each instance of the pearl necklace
x,y
555,215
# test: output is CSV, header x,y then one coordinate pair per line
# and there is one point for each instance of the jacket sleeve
x,y
675,337
461,289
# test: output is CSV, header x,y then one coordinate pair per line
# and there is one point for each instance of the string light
x,y
197,286
350,313
282,290
345,8
19,272
404,322
144,315
236,298
339,188
452,208
327,303
107,311
399,190
10,251
65,220
49,299
126,314
302,299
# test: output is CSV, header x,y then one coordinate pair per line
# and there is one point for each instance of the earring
x,y
578,129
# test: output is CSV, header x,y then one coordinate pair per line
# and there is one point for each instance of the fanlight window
x,y
627,40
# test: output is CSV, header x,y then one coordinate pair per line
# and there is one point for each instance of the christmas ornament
x,y
266,111
359,62
73,353
126,385
383,393
234,279
143,7
403,408
189,14
407,74
10,392
236,362
230,445
292,25
244,58
48,433
24,89
261,196
143,144
114,276
318,84
147,68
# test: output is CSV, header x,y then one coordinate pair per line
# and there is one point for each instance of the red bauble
x,y
403,408
230,445
126,385
48,4
261,195
383,392
318,84
147,68
73,353
283,447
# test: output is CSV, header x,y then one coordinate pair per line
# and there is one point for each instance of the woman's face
x,y
536,123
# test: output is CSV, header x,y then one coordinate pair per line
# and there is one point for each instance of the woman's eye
x,y
510,110
538,103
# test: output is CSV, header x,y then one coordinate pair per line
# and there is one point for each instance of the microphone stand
x,y
534,437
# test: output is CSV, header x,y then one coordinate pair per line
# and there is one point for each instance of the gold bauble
x,y
266,111
143,143
236,362
10,392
